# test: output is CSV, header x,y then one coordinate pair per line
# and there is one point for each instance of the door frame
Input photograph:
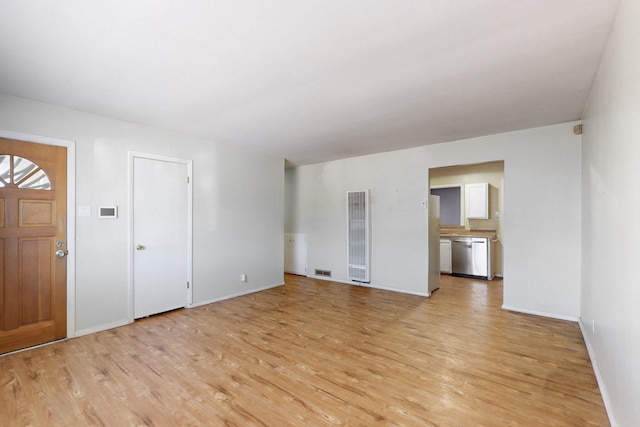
x,y
189,163
71,215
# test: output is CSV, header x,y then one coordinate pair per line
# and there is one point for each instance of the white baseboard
x,y
119,323
100,328
239,294
542,313
596,371
369,285
402,291
331,279
20,350
594,363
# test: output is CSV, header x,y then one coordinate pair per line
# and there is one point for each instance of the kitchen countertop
x,y
446,233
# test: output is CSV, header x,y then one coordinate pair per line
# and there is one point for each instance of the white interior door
x,y
160,236
295,253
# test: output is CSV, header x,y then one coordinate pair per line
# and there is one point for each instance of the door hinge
x,y
187,285
188,180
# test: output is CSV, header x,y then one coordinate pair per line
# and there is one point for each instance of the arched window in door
x,y
16,171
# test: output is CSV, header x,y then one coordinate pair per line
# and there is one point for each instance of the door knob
x,y
139,247
61,254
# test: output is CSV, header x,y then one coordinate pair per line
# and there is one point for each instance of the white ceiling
x,y
310,80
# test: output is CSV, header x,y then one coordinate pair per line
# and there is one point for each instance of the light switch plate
x,y
84,210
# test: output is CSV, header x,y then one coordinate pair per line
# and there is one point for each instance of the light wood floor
x,y
314,353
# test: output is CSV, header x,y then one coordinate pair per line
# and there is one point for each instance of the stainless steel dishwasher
x,y
470,256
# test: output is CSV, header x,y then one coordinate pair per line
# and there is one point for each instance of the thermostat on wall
x,y
110,212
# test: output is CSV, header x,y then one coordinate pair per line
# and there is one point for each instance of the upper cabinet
x,y
477,200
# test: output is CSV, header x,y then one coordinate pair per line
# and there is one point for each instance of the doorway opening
x,y
454,185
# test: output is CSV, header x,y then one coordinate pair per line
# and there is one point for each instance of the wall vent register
x,y
326,273
358,236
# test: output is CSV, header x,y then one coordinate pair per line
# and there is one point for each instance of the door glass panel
x,y
37,181
24,173
21,168
5,170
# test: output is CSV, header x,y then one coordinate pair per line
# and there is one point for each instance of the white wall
x,y
237,210
541,213
611,219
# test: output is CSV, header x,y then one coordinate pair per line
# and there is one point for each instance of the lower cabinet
x,y
445,255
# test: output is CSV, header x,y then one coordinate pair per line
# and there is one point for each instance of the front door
x,y
33,271
160,233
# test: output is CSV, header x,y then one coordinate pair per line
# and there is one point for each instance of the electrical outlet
x,y
243,277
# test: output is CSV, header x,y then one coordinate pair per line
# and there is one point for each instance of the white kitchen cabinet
x,y
477,200
445,255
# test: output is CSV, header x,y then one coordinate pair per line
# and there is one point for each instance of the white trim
x,y
226,297
189,163
608,404
20,350
401,291
368,285
71,215
603,391
101,328
542,314
330,279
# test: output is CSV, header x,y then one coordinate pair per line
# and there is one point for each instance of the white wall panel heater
x,y
358,235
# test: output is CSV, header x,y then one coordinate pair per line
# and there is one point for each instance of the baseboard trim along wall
x,y
100,328
541,313
119,323
585,336
596,371
384,288
594,363
239,294
368,285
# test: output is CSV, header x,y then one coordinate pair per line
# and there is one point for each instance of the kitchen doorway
x,y
465,179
